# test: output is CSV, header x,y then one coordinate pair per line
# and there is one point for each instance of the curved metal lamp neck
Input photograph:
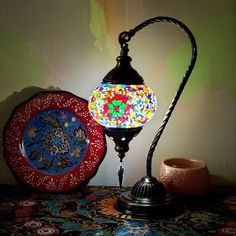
x,y
125,37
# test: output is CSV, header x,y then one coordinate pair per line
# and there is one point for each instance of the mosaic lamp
x,y
122,104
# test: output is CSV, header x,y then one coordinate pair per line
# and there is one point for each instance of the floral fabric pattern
x,y
92,212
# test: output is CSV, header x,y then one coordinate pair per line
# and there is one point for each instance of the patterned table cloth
x,y
90,212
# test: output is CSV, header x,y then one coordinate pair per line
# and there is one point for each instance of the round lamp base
x,y
168,206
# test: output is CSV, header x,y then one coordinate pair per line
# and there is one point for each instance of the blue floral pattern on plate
x,y
55,141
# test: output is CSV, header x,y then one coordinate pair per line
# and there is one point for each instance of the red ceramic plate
x,y
52,143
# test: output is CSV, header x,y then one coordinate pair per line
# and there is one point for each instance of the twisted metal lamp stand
x,y
148,197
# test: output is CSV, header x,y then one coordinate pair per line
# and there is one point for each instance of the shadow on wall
x,y
6,108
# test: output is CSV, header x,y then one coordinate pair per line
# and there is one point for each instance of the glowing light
x,y
122,106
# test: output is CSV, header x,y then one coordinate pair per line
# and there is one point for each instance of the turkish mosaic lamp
x,y
122,104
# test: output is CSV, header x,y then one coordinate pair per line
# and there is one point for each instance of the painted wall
x,y
71,45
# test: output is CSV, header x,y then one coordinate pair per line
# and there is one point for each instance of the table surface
x,y
91,212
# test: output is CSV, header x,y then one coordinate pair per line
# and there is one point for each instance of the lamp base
x,y
148,199
167,207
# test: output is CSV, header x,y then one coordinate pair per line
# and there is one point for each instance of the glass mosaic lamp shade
x,y
122,105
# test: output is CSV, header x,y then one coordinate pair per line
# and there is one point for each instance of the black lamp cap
x,y
123,73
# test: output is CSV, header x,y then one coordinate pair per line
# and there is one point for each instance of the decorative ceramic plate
x,y
52,143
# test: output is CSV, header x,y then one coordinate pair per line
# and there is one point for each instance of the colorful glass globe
x,y
122,105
